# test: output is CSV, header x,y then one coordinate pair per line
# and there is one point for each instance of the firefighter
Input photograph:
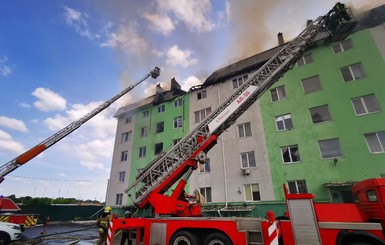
x,y
340,10
125,233
103,223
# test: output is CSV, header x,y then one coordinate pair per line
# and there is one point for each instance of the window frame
x,y
245,128
178,103
311,89
178,122
280,93
119,199
206,193
144,131
247,163
365,105
142,151
285,122
201,94
379,138
160,127
125,137
161,108
351,72
122,176
290,147
342,47
239,81
297,187
312,113
146,113
204,168
249,187
201,114
329,142
156,150
124,156
304,60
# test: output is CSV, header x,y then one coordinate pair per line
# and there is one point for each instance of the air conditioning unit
x,y
245,171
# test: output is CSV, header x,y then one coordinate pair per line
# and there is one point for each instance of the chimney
x,y
281,41
159,89
309,22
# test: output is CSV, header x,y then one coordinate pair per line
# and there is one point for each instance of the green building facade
x,y
324,121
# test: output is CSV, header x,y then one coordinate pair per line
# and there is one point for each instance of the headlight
x,y
15,227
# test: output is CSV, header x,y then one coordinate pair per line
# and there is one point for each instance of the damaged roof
x,y
159,97
368,19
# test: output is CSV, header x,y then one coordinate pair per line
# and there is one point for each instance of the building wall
x,y
114,185
225,177
357,162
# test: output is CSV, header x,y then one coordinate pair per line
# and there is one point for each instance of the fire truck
x,y
176,221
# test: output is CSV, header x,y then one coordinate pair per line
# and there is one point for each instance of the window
x,y
204,168
311,84
124,156
290,154
159,127
206,193
178,123
128,119
161,108
342,46
248,159
278,93
297,186
178,103
146,114
139,171
175,141
237,82
352,72
284,122
305,59
376,142
158,148
252,192
365,104
122,175
144,131
330,148
371,194
202,94
201,114
142,151
126,137
244,130
320,114
119,199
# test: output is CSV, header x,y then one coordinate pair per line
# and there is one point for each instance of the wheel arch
x,y
345,237
201,233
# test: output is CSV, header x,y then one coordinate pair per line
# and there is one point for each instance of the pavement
x,y
83,233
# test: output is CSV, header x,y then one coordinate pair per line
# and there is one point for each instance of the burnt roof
x,y
368,19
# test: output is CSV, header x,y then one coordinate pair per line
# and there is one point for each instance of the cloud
x,y
92,165
127,39
194,14
161,23
177,56
13,124
48,100
5,70
78,21
8,144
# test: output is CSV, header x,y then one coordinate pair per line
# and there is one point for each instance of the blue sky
x,y
61,59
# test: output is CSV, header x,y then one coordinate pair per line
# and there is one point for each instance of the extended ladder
x,y
36,150
165,170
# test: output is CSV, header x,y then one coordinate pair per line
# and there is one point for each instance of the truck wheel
x,y
184,238
217,239
4,238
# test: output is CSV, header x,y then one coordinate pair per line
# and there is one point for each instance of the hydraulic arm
x,y
39,148
179,162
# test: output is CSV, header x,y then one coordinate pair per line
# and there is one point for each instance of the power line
x,y
64,180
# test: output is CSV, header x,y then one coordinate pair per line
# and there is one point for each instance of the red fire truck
x,y
176,221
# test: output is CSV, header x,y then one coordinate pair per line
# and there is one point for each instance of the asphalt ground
x,y
83,233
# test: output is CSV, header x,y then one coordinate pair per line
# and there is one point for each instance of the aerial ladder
x,y
150,186
53,139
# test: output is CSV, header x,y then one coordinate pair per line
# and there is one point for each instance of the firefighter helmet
x,y
107,209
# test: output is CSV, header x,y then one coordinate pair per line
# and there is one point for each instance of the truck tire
x,y
184,238
5,239
217,239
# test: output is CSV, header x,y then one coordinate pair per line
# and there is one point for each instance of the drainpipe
x,y
224,164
